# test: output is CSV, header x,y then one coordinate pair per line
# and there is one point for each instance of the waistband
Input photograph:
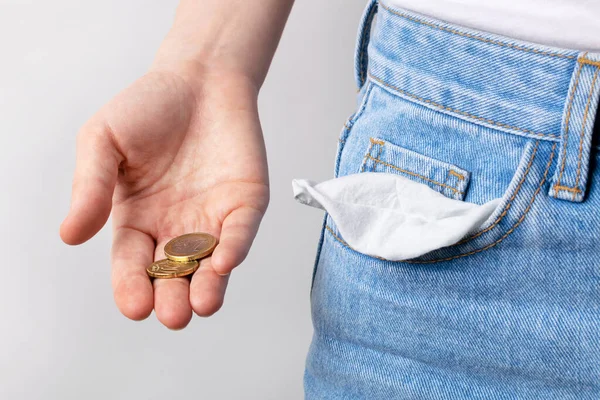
x,y
509,85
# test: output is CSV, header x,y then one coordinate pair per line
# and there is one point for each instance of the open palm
x,y
169,158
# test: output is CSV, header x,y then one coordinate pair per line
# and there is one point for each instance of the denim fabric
x,y
512,311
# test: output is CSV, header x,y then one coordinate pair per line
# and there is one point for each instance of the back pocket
x,y
447,179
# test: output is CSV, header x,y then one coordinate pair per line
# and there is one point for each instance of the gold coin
x,y
191,246
171,269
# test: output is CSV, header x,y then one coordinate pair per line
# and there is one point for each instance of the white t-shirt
x,y
571,24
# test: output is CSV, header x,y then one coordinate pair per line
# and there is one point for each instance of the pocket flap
x,y
445,178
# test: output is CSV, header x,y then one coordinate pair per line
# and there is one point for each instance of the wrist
x,y
206,60
221,89
216,38
201,77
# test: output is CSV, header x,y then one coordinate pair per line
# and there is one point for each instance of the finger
x,y
132,252
172,302
207,289
238,232
172,298
95,177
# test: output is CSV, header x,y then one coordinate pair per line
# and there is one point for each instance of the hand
x,y
170,156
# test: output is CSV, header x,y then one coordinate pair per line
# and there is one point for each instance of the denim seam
x,y
463,113
471,36
378,161
318,255
352,120
585,115
511,230
367,156
565,139
354,117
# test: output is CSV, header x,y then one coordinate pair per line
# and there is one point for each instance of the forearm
x,y
224,38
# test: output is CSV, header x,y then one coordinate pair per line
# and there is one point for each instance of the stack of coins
x,y
183,255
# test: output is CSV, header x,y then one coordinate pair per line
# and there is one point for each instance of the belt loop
x,y
571,173
362,41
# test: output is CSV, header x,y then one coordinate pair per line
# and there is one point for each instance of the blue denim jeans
x,y
513,309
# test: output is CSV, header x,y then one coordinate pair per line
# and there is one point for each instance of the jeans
x,y
512,310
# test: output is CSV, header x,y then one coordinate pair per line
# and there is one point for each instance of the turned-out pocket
x,y
398,205
390,216
423,222
489,181
445,178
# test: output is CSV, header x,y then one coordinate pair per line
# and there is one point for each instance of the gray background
x,y
61,337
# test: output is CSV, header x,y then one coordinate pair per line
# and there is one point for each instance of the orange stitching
x,y
516,47
567,118
377,141
460,178
489,121
456,174
587,108
567,189
380,149
446,180
455,197
511,230
364,163
589,62
509,203
412,173
447,176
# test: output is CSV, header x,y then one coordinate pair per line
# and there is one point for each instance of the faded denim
x,y
512,311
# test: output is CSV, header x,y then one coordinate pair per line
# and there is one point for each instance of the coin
x,y
171,269
191,246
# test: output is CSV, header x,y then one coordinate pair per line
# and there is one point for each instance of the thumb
x,y
94,182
